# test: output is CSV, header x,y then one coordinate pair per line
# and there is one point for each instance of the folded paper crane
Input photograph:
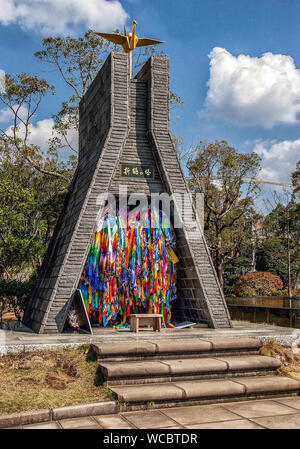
x,y
129,42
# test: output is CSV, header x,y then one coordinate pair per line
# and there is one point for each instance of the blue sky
x,y
252,101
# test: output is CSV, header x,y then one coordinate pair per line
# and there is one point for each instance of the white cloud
x,y
278,159
2,81
62,16
42,131
218,184
5,115
253,91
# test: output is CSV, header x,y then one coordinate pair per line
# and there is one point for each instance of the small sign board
x,y
136,171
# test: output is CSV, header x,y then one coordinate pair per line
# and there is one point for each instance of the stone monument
x,y
124,123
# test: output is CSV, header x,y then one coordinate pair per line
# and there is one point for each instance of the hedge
x,y
258,283
14,297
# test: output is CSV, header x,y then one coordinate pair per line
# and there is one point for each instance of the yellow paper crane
x,y
129,42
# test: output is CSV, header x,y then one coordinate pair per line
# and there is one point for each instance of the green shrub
x,y
258,283
285,292
233,270
14,297
246,291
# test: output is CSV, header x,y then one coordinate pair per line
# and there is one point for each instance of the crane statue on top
x,y
129,42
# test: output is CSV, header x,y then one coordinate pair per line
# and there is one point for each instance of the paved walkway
x,y
23,339
283,413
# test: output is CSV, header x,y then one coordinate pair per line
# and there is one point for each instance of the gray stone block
x,y
76,411
18,419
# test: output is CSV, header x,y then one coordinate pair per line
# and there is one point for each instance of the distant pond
x,y
276,310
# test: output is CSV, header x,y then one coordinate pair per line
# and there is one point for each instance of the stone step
x,y
166,370
135,397
155,348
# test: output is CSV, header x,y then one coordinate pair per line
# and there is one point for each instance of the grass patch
x,y
46,379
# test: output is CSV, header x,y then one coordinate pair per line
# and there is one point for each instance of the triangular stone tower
x,y
123,121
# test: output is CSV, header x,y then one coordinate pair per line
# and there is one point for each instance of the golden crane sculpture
x,y
129,42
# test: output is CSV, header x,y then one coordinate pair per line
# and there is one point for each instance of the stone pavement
x,y
279,413
23,339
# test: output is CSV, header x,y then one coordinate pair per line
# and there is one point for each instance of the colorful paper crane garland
x,y
129,269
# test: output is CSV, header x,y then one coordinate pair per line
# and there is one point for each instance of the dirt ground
x,y
290,361
46,379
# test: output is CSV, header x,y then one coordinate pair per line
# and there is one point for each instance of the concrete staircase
x,y
153,374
